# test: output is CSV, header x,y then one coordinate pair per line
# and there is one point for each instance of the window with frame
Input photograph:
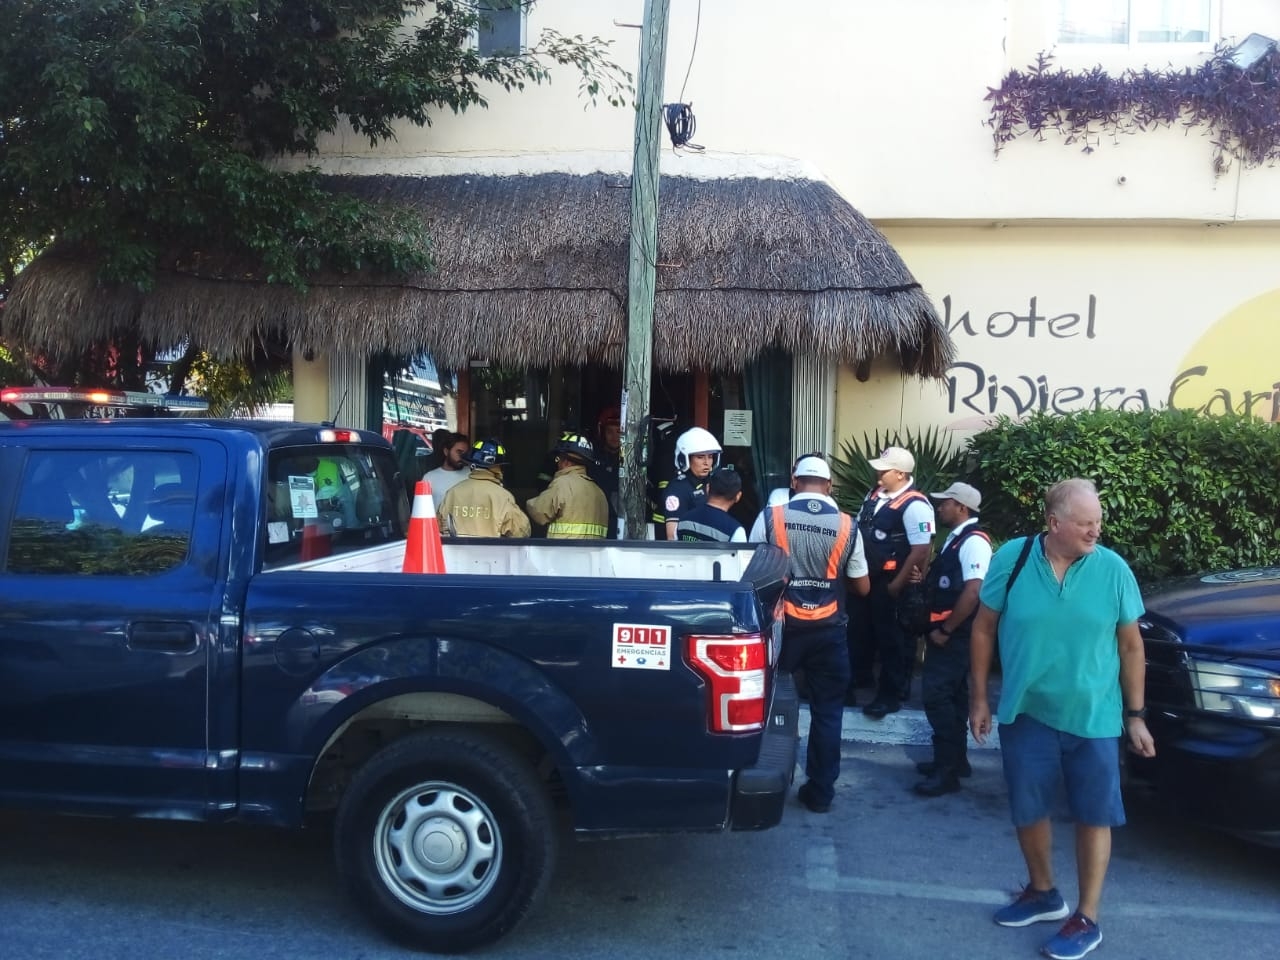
x,y
501,31
90,512
326,500
1136,21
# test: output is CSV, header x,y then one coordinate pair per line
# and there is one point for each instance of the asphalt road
x,y
884,875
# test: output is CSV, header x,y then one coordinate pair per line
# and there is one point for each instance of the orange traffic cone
x,y
423,552
315,542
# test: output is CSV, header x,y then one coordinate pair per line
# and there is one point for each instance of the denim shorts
x,y
1037,758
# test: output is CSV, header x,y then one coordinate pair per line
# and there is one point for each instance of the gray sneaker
x,y
1032,906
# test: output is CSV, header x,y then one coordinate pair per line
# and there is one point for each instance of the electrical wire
x,y
681,125
679,116
697,28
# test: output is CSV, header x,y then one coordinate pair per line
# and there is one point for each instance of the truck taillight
x,y
734,668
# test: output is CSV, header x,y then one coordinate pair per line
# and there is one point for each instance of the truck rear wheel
x,y
446,839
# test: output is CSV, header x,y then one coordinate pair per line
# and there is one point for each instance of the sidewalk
x,y
907,726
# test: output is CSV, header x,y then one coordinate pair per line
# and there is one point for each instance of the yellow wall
x,y
1060,318
310,388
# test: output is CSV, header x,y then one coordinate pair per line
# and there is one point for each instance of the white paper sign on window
x,y
302,497
737,428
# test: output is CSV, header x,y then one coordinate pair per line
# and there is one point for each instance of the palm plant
x,y
233,388
939,462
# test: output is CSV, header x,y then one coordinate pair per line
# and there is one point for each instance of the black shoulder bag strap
x,y
1017,567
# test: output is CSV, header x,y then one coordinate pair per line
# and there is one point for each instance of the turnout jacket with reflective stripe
x,y
573,507
481,507
819,540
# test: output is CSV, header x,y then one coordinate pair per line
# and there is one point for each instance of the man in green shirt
x,y
1073,671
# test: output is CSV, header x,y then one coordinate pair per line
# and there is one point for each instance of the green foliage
x,y
233,388
939,462
1181,492
132,127
45,546
15,369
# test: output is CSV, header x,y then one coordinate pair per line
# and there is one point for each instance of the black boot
x,y
929,767
941,782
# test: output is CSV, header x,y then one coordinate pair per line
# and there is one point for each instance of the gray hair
x,y
1058,496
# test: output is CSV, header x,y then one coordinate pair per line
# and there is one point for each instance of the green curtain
x,y
766,383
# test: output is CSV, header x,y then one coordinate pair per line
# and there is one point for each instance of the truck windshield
x,y
323,500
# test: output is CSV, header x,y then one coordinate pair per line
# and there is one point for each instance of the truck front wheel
x,y
446,839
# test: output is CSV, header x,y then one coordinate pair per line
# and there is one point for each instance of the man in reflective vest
x,y
826,551
573,507
953,582
711,522
897,525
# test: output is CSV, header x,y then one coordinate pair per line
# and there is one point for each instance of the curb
x,y
909,727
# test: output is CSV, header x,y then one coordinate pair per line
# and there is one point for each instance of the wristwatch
x,y
1141,713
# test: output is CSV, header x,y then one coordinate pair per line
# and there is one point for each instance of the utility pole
x,y
642,272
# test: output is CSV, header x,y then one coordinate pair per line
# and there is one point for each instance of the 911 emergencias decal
x,y
637,646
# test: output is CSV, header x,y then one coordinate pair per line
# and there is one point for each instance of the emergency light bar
x,y
102,398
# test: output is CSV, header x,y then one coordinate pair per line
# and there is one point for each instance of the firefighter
x,y
480,506
697,454
573,507
604,471
662,446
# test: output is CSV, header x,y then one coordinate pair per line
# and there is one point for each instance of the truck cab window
x,y
105,514
326,500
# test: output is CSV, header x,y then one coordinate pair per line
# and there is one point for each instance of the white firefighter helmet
x,y
695,440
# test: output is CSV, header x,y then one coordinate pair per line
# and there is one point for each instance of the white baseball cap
x,y
894,458
813,467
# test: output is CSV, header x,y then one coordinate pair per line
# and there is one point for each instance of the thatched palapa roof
x,y
531,270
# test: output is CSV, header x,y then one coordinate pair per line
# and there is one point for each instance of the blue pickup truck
x,y
206,620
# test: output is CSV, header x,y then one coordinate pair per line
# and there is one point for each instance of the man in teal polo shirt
x,y
1073,670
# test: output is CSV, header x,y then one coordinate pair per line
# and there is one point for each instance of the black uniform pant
x,y
944,687
862,644
821,653
878,613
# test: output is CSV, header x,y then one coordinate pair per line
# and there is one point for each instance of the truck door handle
x,y
163,636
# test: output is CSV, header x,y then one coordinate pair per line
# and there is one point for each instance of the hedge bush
x,y
1181,493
